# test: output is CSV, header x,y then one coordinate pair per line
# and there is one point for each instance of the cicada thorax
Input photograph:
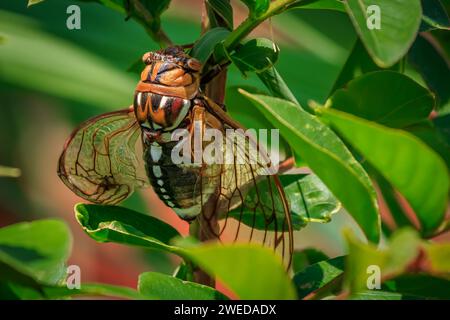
x,y
165,100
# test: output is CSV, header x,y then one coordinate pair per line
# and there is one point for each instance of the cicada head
x,y
169,82
171,67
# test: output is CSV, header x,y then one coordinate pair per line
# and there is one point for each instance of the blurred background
x,y
53,78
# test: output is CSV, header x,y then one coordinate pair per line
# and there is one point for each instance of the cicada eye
x,y
194,64
146,58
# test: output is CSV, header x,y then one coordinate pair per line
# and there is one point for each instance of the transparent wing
x,y
250,202
101,160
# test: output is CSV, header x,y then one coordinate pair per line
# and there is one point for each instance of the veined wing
x,y
101,160
250,193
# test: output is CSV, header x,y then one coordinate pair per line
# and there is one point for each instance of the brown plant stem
x,y
201,228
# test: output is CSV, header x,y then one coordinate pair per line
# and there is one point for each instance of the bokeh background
x,y
53,78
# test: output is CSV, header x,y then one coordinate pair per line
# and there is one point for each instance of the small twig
x,y
247,26
145,18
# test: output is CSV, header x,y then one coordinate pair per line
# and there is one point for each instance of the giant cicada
x,y
102,159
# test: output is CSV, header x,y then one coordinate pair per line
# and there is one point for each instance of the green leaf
x,y
257,7
165,287
276,85
434,16
309,201
255,55
204,47
121,225
386,97
224,10
306,257
260,275
428,60
393,261
318,5
38,250
238,107
318,275
328,157
406,162
400,21
9,172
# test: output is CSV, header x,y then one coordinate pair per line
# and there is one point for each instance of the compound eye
x,y
194,64
146,58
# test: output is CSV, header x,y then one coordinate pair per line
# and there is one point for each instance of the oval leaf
x,y
223,9
411,166
204,47
309,201
318,275
121,225
399,22
38,249
328,157
165,287
255,55
387,97
250,271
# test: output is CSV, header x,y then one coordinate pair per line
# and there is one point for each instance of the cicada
x,y
107,157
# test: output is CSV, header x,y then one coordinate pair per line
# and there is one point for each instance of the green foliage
x,y
318,275
309,201
204,47
111,223
327,156
255,55
165,287
41,260
397,154
246,281
400,21
223,9
401,265
386,97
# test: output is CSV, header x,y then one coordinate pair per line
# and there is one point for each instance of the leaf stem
x,y
251,23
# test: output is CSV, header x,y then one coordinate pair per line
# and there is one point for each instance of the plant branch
x,y
251,23
145,17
